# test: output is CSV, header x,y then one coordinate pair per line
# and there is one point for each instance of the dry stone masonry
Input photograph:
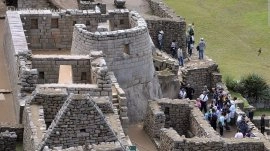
x,y
117,77
8,141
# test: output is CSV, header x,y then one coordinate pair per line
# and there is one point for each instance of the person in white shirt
x,y
232,112
204,98
238,135
182,93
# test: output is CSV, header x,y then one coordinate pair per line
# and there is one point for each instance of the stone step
x,y
114,100
116,105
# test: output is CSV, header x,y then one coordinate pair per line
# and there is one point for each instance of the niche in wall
x,y
54,23
34,24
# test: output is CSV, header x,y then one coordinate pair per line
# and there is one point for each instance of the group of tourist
x,y
219,109
176,51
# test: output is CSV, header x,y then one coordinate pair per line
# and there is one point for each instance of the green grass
x,y
239,96
260,112
234,31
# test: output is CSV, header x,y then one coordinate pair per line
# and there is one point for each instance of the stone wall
x,y
174,29
17,53
170,140
244,145
109,146
181,115
199,75
129,55
11,127
120,101
91,89
51,100
49,66
8,141
169,84
86,5
176,114
160,9
86,125
154,120
48,29
132,63
33,132
167,71
199,127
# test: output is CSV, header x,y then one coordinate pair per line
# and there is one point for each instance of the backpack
x,y
198,48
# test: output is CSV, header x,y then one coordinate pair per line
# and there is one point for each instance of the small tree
x,y
253,86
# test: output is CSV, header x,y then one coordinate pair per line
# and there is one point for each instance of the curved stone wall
x,y
128,53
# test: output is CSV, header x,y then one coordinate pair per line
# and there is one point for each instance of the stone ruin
x,y
110,69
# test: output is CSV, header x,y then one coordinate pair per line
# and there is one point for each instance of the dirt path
x,y
7,108
140,139
140,6
66,4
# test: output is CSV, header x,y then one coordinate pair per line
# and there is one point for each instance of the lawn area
x,y
234,31
260,112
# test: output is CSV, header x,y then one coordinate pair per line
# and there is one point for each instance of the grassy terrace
x,y
234,31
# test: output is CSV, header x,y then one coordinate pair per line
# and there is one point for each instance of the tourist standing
x,y
262,124
190,92
160,39
221,123
213,120
173,48
204,99
182,93
180,57
201,47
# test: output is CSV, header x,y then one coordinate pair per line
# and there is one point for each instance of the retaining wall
x,y
200,75
174,29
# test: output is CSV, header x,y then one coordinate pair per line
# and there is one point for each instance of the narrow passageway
x,y
139,138
7,108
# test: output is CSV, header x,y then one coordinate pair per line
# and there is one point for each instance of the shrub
x,y
230,83
253,86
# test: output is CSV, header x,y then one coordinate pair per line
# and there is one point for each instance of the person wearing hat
x,y
201,47
160,39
